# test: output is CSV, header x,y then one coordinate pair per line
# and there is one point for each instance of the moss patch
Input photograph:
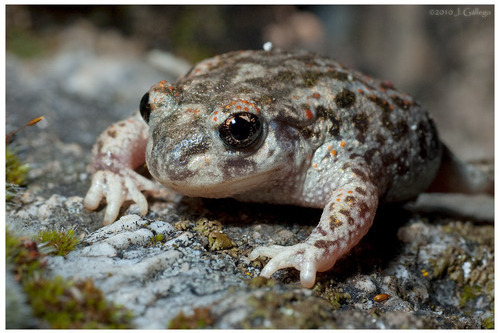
x,y
69,304
288,310
335,295
488,323
62,242
16,173
201,318
59,302
158,239
469,293
473,271
25,257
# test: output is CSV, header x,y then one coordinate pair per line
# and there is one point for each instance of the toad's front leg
x,y
345,220
119,150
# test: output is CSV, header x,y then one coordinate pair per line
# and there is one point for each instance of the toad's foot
x,y
307,258
116,188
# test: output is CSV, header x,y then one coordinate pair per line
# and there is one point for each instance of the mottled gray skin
x,y
385,132
330,138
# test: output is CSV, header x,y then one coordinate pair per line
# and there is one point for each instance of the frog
x,y
280,127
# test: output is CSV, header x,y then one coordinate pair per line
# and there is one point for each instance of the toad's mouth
x,y
224,188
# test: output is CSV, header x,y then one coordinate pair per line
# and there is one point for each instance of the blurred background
x,y
86,66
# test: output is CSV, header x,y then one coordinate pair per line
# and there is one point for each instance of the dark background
x,y
445,61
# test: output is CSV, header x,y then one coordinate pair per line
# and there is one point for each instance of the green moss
x,y
201,318
61,303
488,323
16,173
62,242
68,304
450,264
288,309
335,296
337,299
469,292
24,255
158,239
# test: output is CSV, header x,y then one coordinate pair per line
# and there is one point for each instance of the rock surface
x,y
178,264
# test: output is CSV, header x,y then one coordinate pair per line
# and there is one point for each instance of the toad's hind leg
x,y
345,220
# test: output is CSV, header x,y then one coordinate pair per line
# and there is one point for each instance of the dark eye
x,y
240,130
145,107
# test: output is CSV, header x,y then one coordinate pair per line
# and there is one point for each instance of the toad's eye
x,y
240,130
145,107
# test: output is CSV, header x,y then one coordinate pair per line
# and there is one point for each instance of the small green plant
x,y
15,173
488,323
60,302
67,304
157,239
62,242
24,255
469,292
